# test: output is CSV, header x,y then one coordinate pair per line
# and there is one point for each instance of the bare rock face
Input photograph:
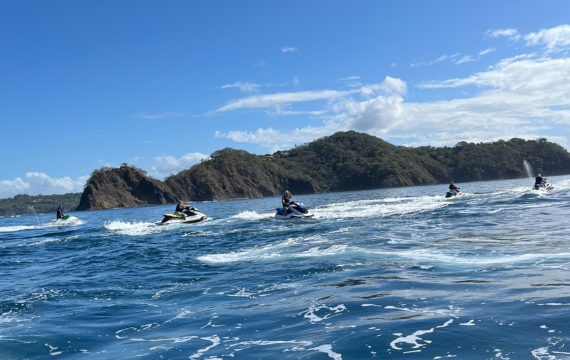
x,y
123,187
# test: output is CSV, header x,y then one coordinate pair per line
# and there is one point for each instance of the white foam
x,y
252,215
385,207
414,338
327,349
215,342
18,228
132,228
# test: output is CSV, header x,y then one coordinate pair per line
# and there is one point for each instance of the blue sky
x,y
163,84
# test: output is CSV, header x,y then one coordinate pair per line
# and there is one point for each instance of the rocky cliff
x,y
123,187
341,162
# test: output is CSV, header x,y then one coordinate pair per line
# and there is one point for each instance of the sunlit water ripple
x,y
392,273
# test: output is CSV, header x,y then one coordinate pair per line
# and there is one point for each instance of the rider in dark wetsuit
x,y
59,213
539,181
286,201
453,187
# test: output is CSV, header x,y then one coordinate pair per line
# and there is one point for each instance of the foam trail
x,y
385,207
252,215
132,228
18,228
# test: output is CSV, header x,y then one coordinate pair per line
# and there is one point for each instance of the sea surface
x,y
392,274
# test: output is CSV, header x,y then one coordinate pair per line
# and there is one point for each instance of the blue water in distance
x,y
390,273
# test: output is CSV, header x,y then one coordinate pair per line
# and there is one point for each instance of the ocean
x,y
392,273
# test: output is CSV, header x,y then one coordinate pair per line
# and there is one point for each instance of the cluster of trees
x,y
21,204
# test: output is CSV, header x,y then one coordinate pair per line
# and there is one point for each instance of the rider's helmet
x,y
286,192
539,175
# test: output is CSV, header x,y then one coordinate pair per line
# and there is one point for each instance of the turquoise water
x,y
391,273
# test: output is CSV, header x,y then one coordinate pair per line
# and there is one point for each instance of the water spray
x,y
37,218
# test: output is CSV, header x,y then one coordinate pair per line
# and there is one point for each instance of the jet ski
x,y
296,210
193,215
452,193
66,219
545,186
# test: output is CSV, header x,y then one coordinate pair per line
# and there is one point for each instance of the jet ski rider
x,y
60,213
286,201
453,187
180,209
539,181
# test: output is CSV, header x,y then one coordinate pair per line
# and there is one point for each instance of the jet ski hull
x,y
67,219
189,220
546,186
452,194
293,216
297,211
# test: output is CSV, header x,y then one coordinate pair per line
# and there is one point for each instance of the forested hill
x,y
21,204
341,162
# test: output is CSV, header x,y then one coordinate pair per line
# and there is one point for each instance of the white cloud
x,y
520,97
465,59
486,51
39,183
296,82
393,65
165,165
351,81
555,39
511,34
279,99
441,58
156,116
243,86
288,49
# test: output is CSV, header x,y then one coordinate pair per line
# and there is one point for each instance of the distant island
x,y
341,162
344,161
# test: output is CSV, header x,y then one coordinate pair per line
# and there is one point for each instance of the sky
x,y
161,85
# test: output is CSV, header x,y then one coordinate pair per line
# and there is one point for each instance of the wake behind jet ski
x,y
189,216
541,183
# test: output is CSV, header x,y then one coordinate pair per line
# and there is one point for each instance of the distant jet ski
x,y
545,186
296,210
452,193
66,219
193,215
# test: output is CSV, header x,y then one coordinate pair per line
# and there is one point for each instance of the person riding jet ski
x,y
453,191
60,213
453,187
180,209
539,181
286,201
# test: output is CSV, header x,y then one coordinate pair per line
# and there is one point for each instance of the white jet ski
x,y
545,186
452,193
193,215
65,220
296,210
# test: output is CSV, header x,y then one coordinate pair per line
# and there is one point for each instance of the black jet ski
x,y
545,186
296,210
193,215
452,193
